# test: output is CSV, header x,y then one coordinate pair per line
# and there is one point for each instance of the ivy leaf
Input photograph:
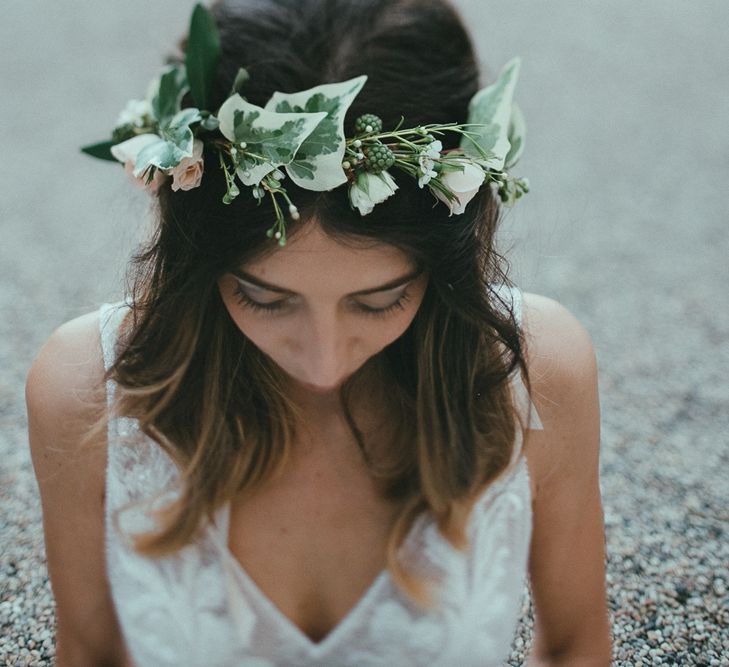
x,y
490,111
240,80
318,162
102,150
175,142
202,55
161,154
517,136
167,97
274,138
178,129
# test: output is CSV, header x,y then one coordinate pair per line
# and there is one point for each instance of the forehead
x,y
313,261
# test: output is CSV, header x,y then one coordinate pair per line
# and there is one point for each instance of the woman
x,y
320,451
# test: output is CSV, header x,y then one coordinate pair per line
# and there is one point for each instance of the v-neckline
x,y
338,631
317,648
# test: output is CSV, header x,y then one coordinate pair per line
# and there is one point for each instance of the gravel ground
x,y
628,151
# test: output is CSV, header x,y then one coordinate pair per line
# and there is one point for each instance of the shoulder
x,y
65,398
68,370
558,345
66,403
563,374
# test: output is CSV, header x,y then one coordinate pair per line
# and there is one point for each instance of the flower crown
x,y
301,135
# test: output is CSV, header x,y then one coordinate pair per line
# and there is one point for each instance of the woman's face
x,y
320,309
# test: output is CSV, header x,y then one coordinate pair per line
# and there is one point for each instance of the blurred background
x,y
627,106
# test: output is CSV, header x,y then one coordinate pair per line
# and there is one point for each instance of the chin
x,y
321,388
318,389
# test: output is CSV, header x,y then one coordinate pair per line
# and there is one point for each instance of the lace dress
x,y
200,607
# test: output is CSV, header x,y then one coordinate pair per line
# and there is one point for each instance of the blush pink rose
x,y
157,180
188,174
127,152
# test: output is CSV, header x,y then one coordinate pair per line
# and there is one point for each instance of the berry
x,y
368,124
378,158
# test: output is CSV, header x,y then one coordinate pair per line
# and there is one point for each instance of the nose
x,y
325,350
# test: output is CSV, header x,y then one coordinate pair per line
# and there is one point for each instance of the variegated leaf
x,y
274,138
491,109
318,162
174,144
517,136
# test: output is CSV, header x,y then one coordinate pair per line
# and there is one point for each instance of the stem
x,y
407,167
276,207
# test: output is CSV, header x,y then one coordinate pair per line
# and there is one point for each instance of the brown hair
x,y
212,400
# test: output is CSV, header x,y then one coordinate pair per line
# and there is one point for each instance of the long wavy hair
x,y
212,400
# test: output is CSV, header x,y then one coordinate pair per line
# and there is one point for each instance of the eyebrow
x,y
392,284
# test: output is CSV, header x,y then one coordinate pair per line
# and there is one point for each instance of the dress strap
x,y
513,299
110,319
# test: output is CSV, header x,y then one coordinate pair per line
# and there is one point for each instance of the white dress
x,y
200,608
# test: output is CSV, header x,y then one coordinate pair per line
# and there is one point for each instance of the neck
x,y
314,404
364,398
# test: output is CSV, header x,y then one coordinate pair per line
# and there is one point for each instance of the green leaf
x,y
240,80
273,137
318,163
168,97
363,182
102,150
491,111
202,55
517,136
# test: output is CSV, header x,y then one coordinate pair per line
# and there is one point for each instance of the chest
x,y
313,542
314,539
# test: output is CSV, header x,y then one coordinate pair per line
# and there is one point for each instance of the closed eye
x,y
280,305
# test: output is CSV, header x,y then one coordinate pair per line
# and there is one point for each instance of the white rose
x,y
188,174
134,113
129,149
463,184
370,189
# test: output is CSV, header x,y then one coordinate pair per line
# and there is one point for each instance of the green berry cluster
x,y
368,124
378,158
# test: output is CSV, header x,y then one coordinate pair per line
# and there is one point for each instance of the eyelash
x,y
275,306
